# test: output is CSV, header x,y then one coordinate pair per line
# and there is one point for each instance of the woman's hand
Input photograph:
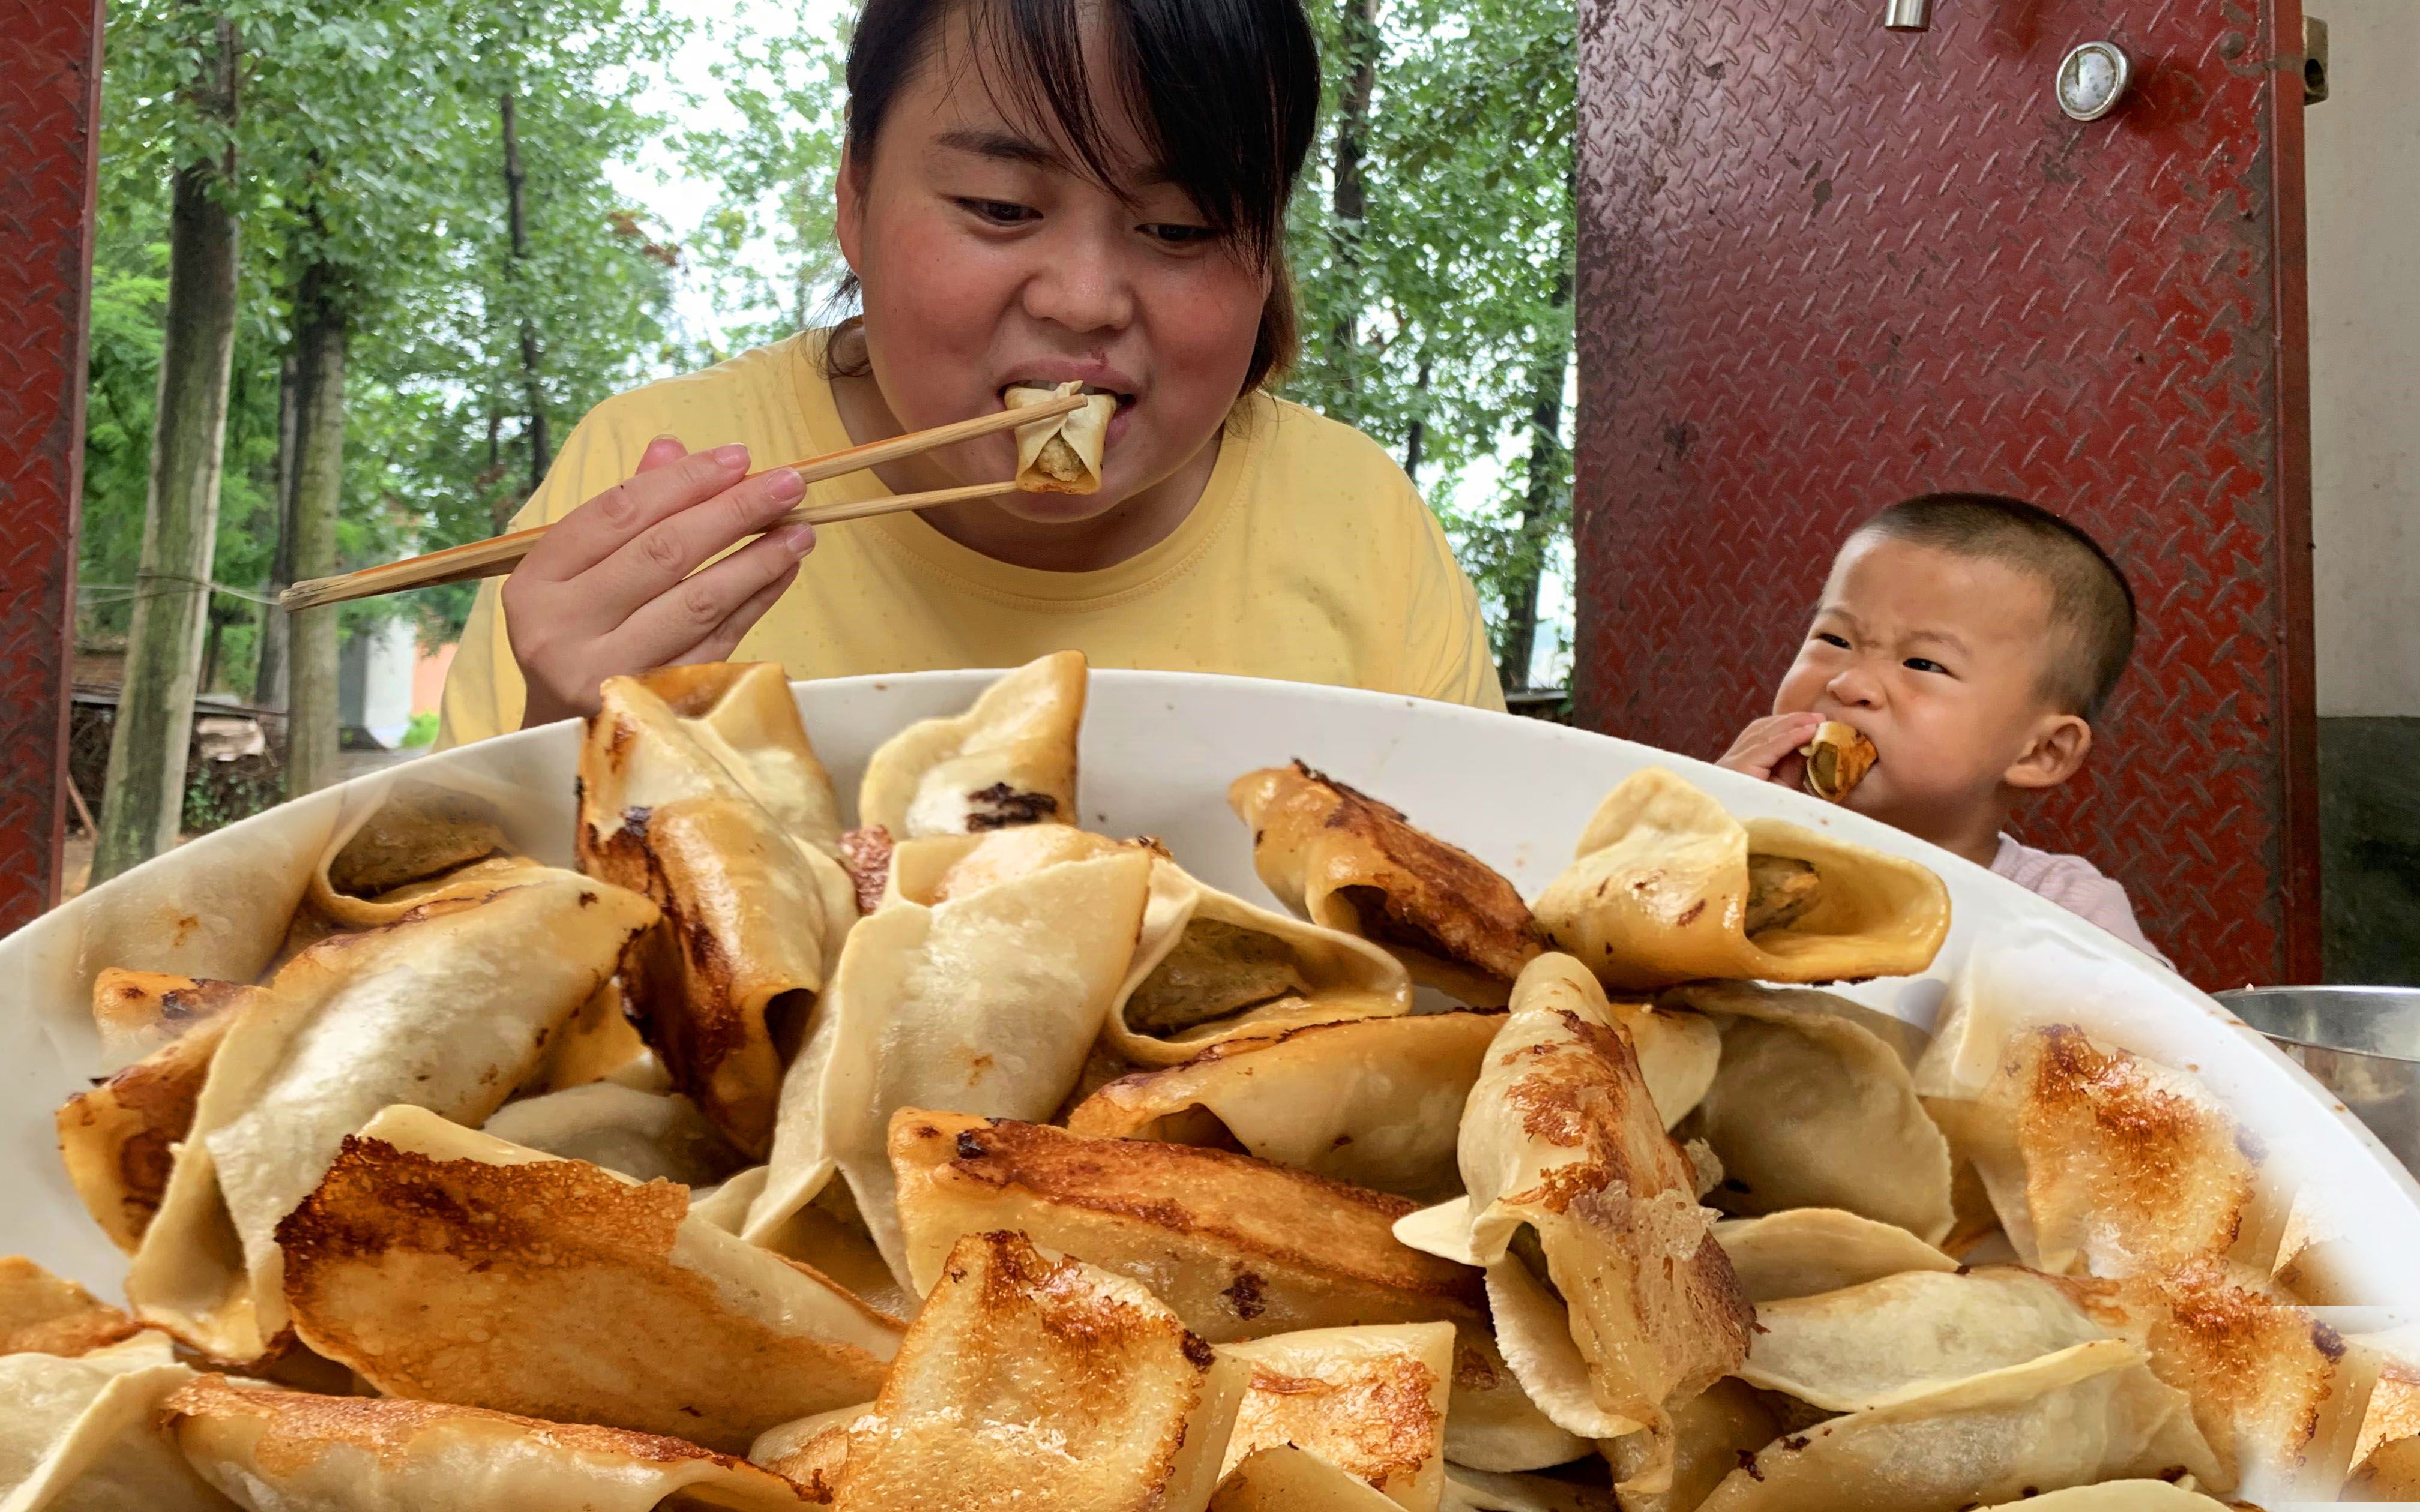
x,y
1768,749
609,589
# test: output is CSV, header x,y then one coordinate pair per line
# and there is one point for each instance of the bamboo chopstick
x,y
498,555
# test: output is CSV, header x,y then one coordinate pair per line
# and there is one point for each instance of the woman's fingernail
x,y
798,539
784,484
733,456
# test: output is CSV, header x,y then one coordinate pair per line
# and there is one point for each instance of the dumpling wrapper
x,y
828,1234
1009,760
304,1453
45,1314
447,1008
1208,968
1679,1053
1281,1477
1348,862
1481,1490
1372,1101
445,1264
1063,454
1371,1401
2270,1382
2386,1457
646,1136
1240,1248
2118,1496
1211,968
810,1452
1813,1106
139,1011
1659,889
2089,1413
700,789
378,865
987,1003
1711,1432
120,1138
1034,1371
1838,759
1562,1136
1809,1250
1866,1346
2098,1161
76,1434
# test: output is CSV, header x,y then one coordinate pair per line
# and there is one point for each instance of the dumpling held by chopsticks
x,y
1061,454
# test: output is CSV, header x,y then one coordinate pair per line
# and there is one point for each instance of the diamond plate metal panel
x,y
50,87
1824,266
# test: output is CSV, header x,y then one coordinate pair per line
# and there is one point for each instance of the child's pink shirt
x,y
2077,886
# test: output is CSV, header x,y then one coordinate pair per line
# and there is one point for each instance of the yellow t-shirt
x,y
1309,557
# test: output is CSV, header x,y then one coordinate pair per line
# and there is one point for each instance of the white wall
x,y
374,681
2365,237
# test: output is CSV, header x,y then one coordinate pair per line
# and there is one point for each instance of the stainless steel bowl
x,y
2362,1043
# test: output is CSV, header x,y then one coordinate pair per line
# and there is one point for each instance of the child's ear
x,y
2055,753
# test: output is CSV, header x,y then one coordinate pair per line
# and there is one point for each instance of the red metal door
x,y
1824,266
50,92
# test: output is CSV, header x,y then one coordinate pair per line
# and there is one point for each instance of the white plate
x,y
1159,752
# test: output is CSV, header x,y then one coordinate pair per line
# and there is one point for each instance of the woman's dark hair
x,y
1225,93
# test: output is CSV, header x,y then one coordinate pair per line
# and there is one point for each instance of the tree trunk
x,y
145,796
269,680
517,212
501,507
1417,432
1349,197
321,322
1542,507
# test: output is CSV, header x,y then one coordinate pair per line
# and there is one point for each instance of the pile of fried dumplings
x,y
967,1157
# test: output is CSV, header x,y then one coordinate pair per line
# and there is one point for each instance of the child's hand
x,y
1767,750
613,587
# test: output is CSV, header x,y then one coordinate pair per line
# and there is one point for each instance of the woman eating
x,y
1034,194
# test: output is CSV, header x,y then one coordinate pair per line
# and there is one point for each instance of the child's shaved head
x,y
2092,607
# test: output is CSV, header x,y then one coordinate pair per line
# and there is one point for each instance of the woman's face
x,y
989,259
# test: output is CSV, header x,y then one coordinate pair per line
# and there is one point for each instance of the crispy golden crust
x,y
1032,1372
1239,1247
303,1425
2256,1367
1371,1401
551,1289
305,1449
1355,864
44,1314
700,789
2160,1168
1563,1137
120,1138
129,1006
716,1043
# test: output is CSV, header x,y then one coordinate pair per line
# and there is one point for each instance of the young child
x,y
1971,638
